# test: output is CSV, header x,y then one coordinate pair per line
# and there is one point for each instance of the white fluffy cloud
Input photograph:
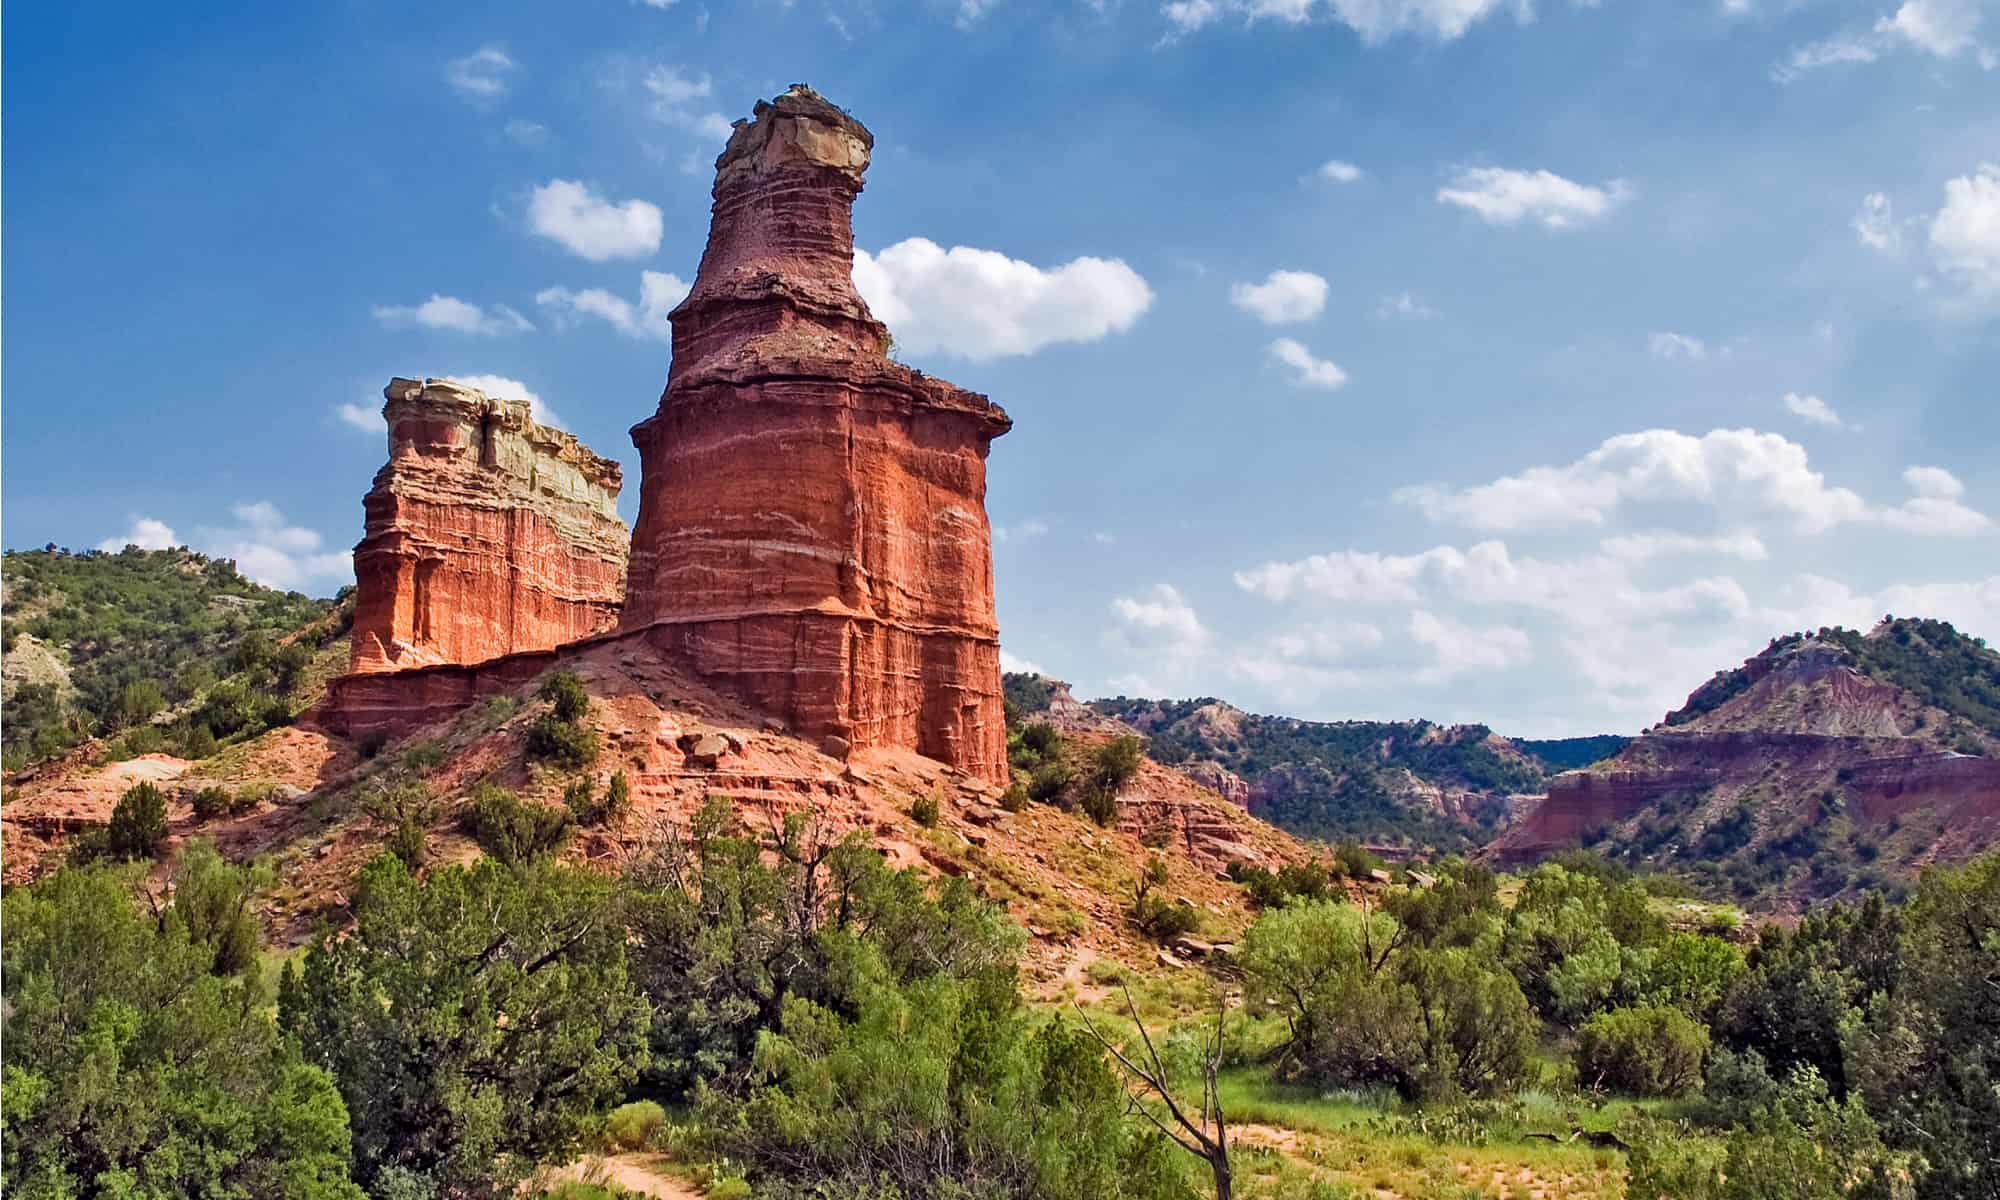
x,y
502,388
1335,171
526,133
1875,224
1643,547
1945,28
658,294
275,553
1374,20
451,313
677,94
1965,233
146,533
1506,197
1740,471
1812,409
1285,297
1676,345
1013,665
366,418
1832,52
981,304
1308,371
575,217
480,76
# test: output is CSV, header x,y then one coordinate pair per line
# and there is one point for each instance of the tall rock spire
x,y
812,530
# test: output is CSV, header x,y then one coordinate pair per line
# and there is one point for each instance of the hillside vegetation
x,y
136,635
1337,779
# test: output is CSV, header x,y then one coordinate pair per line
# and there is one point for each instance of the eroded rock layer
x,y
487,534
812,532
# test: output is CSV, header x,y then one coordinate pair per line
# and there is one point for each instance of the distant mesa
x,y
812,535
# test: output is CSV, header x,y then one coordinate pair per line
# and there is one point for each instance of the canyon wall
x,y
812,532
487,534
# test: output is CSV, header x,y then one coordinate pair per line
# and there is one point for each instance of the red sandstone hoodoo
x,y
487,534
812,533
812,530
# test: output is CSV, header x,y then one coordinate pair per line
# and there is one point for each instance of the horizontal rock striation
x,y
812,532
487,534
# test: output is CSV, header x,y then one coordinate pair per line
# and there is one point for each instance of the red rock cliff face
x,y
812,532
487,534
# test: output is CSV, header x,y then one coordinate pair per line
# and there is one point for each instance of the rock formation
x,y
812,532
487,534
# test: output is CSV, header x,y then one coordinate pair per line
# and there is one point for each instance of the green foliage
x,y
138,631
1023,695
514,831
566,744
1568,754
1293,881
1924,1053
1015,798
635,1126
924,811
726,927
1366,1003
937,1087
1641,1051
212,904
135,1069
1162,919
590,809
404,804
138,824
1576,937
564,692
475,1022
1336,779
1355,860
1691,972
1803,1145
210,802
1049,781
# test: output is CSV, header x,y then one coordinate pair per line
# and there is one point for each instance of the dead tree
x,y
1205,1135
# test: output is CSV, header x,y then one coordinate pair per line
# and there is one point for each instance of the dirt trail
x,y
641,1173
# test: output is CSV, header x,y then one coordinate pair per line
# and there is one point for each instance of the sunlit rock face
x,y
487,534
812,532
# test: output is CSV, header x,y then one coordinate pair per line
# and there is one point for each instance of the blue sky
x,y
1369,358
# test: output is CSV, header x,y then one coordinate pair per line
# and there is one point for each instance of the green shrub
x,y
1645,1051
1117,761
497,709
1015,798
197,741
1270,889
564,743
590,809
564,692
1048,781
141,1058
138,823
424,756
1162,919
1100,805
924,811
635,1126
516,831
211,802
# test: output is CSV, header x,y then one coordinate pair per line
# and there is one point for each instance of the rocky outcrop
x,y
812,532
487,534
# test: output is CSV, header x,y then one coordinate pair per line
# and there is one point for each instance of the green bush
x,y
635,1126
1015,798
211,802
1046,785
1270,889
924,811
1643,1051
564,743
476,1022
590,809
514,831
138,823
1100,805
938,1087
564,692
1162,919
141,1057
